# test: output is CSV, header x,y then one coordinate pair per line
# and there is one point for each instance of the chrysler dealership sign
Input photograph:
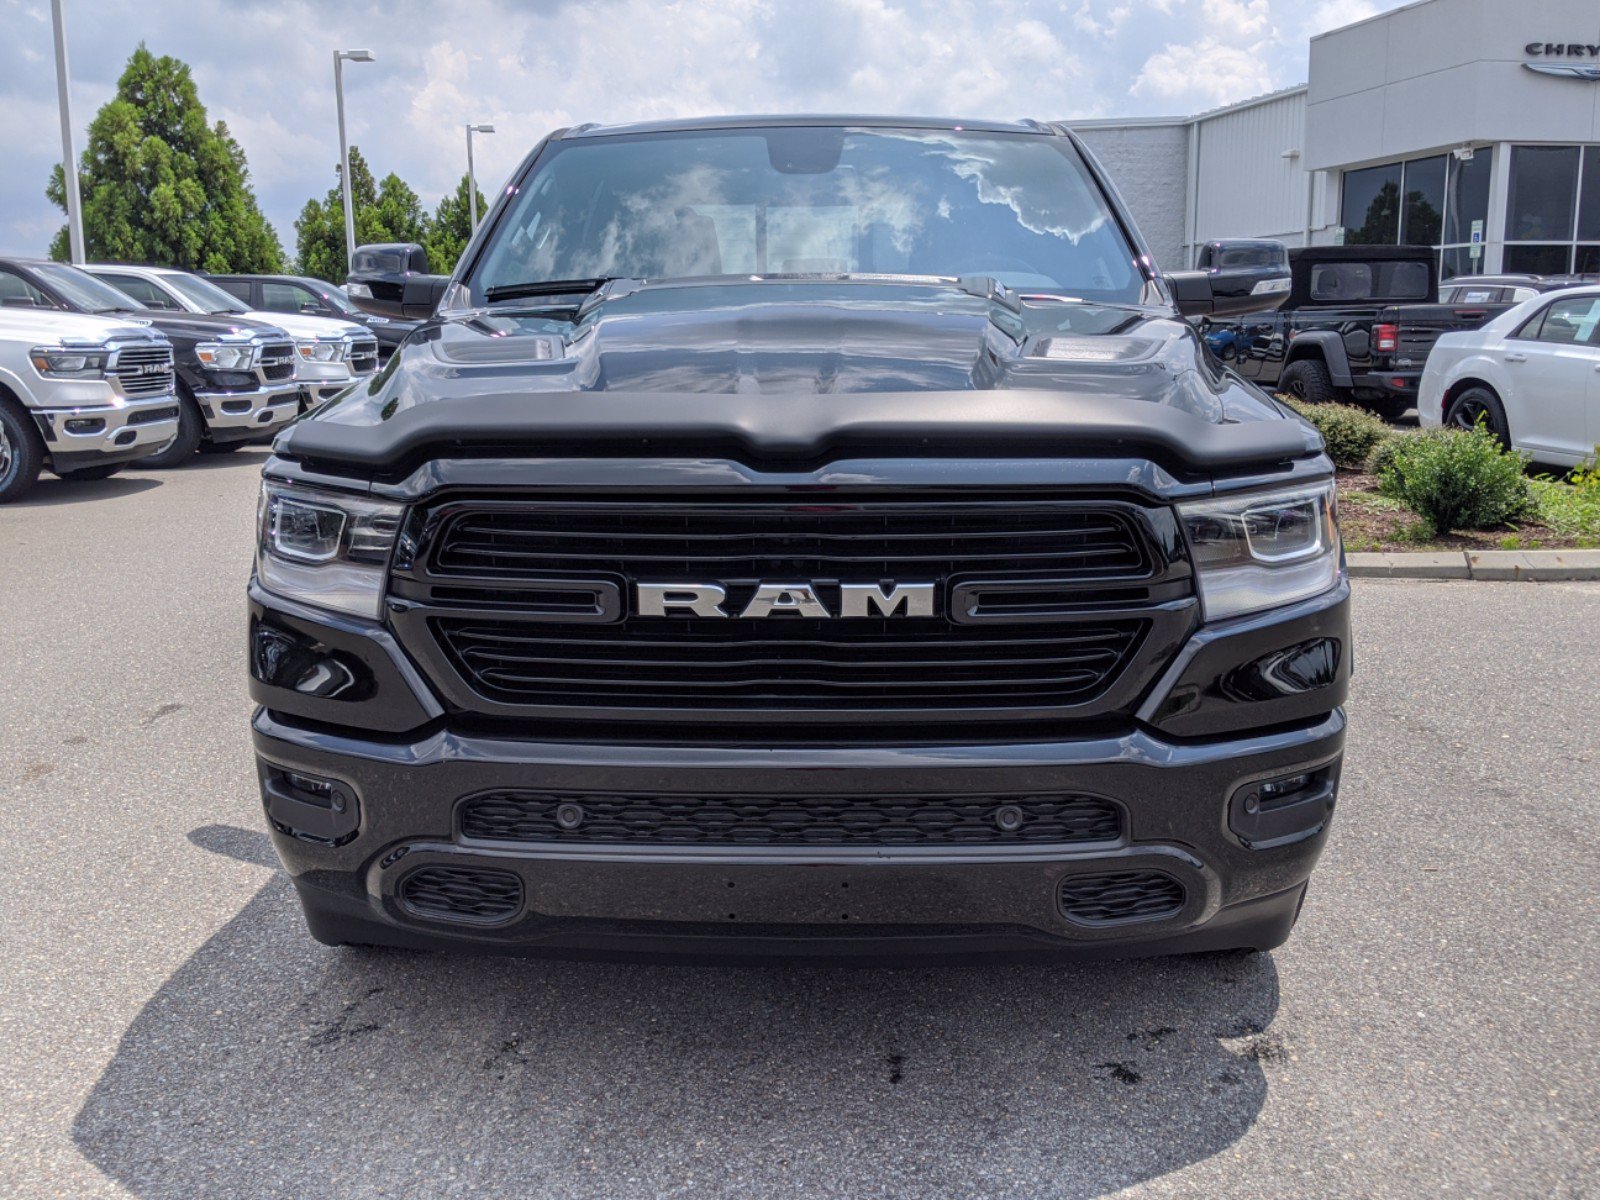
x,y
1567,70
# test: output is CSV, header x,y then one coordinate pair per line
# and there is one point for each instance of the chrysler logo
x,y
1565,70
793,599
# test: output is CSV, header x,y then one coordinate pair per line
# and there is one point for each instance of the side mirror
x,y
392,280
311,309
1233,278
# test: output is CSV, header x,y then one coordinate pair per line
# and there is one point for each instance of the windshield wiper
x,y
546,287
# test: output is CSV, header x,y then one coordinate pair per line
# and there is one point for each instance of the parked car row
x,y
112,364
1519,354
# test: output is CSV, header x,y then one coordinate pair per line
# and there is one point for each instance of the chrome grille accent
x,y
142,370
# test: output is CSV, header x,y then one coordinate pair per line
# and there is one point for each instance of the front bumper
x,y
234,416
1178,774
96,435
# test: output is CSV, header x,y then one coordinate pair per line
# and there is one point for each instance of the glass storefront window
x,y
1467,199
1544,190
1371,208
1589,194
1458,260
1587,261
1422,221
1538,258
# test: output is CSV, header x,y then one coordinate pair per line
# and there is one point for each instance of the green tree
x,y
386,211
160,184
451,228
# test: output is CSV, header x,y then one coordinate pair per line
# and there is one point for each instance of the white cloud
x,y
1203,74
265,66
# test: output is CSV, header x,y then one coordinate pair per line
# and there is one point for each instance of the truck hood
x,y
301,325
794,369
197,327
42,325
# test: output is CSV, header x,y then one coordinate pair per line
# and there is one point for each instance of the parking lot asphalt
x,y
168,1030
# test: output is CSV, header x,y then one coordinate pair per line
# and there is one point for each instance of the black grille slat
x,y
151,415
1040,603
531,817
594,663
1115,897
752,540
462,893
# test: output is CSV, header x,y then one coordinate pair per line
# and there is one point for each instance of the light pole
x,y
69,160
344,149
472,181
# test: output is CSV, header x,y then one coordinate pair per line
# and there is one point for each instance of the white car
x,y
1531,376
330,354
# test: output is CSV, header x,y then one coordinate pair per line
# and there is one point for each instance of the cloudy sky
x,y
266,69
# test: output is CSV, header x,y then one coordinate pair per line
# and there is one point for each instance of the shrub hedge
x,y
1456,479
1350,433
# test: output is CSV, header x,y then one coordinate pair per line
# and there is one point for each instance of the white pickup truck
x,y
79,395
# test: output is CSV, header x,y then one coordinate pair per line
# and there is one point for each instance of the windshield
x,y
83,291
207,297
1021,208
337,299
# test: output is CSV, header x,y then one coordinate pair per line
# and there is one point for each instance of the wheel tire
x,y
89,474
21,451
222,447
191,428
1307,379
1479,402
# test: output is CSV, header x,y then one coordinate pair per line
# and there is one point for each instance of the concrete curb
x,y
1532,565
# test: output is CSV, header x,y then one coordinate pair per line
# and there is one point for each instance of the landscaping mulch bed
x,y
1372,522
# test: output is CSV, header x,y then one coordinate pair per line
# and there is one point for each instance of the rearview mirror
x,y
1233,278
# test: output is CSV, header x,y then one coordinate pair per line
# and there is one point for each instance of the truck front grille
x,y
276,361
538,817
363,357
144,370
1040,605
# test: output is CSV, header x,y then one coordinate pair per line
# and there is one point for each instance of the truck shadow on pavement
x,y
50,492
270,1065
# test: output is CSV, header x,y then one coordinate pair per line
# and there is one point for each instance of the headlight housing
x,y
1262,549
68,362
325,548
322,350
226,356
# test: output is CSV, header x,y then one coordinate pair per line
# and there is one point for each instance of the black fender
x,y
1330,346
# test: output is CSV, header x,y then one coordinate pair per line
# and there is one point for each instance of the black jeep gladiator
x,y
804,537
1335,337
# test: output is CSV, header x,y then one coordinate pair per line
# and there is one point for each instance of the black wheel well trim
x,y
1461,386
1324,344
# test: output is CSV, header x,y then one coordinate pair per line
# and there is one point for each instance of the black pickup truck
x,y
1337,335
806,537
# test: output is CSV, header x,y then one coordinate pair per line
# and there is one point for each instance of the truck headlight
x,y
1263,549
325,548
318,350
66,363
226,356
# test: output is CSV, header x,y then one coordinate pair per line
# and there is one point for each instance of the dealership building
x,y
1469,125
